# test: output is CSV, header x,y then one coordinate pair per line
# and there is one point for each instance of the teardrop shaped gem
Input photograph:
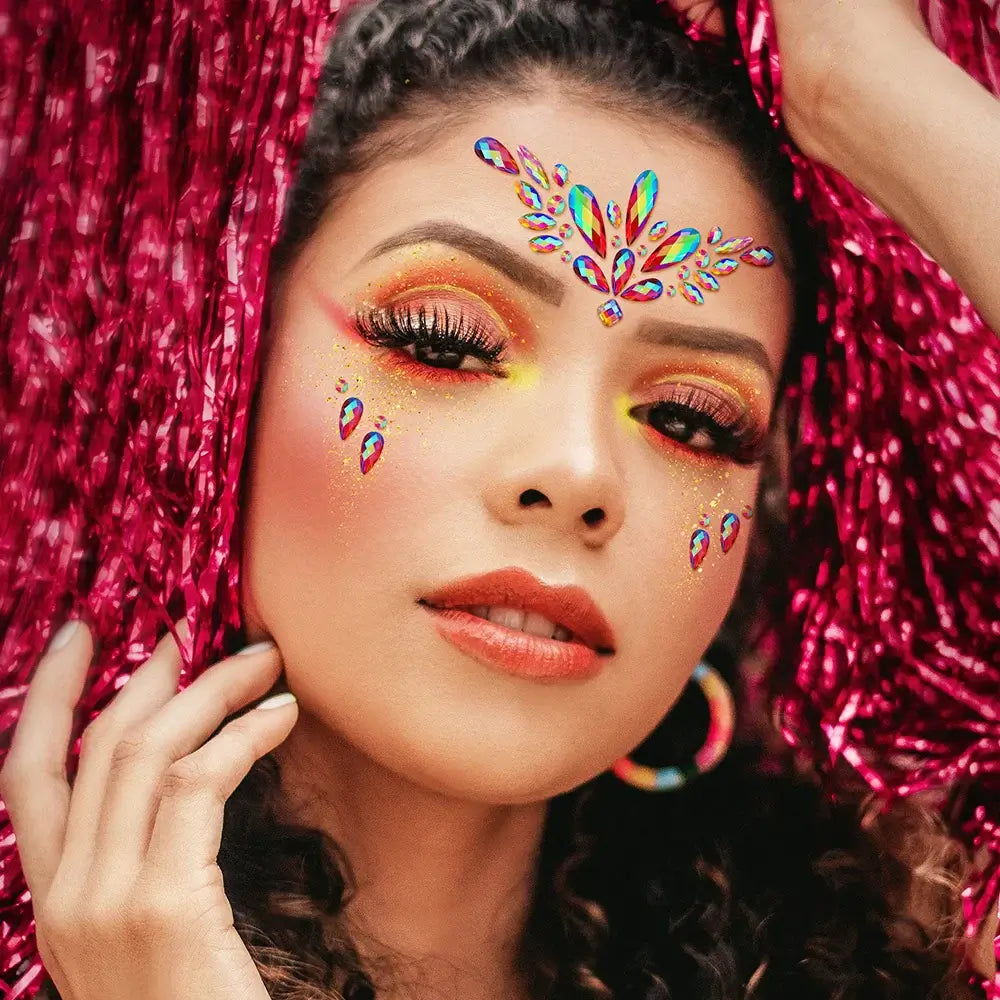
x,y
714,236
724,266
545,244
496,154
614,213
529,195
640,204
699,547
701,258
692,293
537,220
533,166
586,212
706,280
609,312
729,530
350,416
675,248
736,245
657,230
371,448
561,173
644,291
556,205
621,270
759,256
589,272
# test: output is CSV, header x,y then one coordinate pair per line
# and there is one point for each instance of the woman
x,y
415,825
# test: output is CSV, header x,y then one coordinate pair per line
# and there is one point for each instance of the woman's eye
x,y
451,359
682,428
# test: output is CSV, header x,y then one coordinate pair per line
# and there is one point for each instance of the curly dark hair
x,y
749,882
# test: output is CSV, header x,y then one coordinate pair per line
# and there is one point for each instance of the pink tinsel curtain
x,y
145,153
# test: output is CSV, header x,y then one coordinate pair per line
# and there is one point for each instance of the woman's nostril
x,y
531,497
594,516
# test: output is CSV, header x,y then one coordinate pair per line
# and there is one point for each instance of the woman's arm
x,y
921,138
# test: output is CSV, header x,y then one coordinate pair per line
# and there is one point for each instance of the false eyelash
x,y
388,326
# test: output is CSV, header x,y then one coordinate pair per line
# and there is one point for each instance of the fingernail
x,y
63,636
257,647
277,700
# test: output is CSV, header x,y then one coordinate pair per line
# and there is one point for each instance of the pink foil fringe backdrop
x,y
145,154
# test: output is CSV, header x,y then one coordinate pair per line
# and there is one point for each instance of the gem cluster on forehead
x,y
585,210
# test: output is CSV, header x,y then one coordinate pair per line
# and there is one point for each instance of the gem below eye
x,y
496,154
341,385
350,416
381,422
729,531
537,220
699,547
371,449
747,511
528,195
533,166
545,244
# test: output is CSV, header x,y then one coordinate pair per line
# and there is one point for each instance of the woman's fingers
x,y
150,687
188,826
140,764
33,780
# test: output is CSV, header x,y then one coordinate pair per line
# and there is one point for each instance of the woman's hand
x,y
128,898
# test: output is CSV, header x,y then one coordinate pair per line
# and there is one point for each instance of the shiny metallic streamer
x,y
145,154
893,644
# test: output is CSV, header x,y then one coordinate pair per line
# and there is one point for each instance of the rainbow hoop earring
x,y
720,734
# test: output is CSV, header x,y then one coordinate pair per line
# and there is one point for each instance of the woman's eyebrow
x,y
531,277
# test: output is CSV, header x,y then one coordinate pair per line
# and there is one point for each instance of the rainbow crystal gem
x,y
616,241
706,280
701,257
736,245
714,236
371,448
566,255
586,212
641,250
533,166
729,531
684,273
537,220
381,422
759,256
699,547
657,230
529,195
692,293
556,205
589,272
724,266
609,312
671,291
640,204
341,385
496,154
614,212
674,249
561,173
705,520
565,230
545,244
621,270
350,416
644,291
747,511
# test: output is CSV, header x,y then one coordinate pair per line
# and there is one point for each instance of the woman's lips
x,y
515,652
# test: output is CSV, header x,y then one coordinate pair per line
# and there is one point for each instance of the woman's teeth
x,y
523,621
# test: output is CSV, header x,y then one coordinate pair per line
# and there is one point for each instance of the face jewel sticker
x,y
609,312
545,244
586,212
496,154
538,220
341,385
528,195
381,423
589,216
640,204
350,416
533,166
747,512
699,547
589,272
729,531
621,270
371,449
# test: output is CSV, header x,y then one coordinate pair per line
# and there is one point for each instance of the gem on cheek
x,y
381,423
533,166
341,385
729,531
747,511
371,449
589,272
545,244
609,312
699,547
350,416
496,154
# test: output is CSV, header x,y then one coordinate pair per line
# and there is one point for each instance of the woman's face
x,y
490,465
